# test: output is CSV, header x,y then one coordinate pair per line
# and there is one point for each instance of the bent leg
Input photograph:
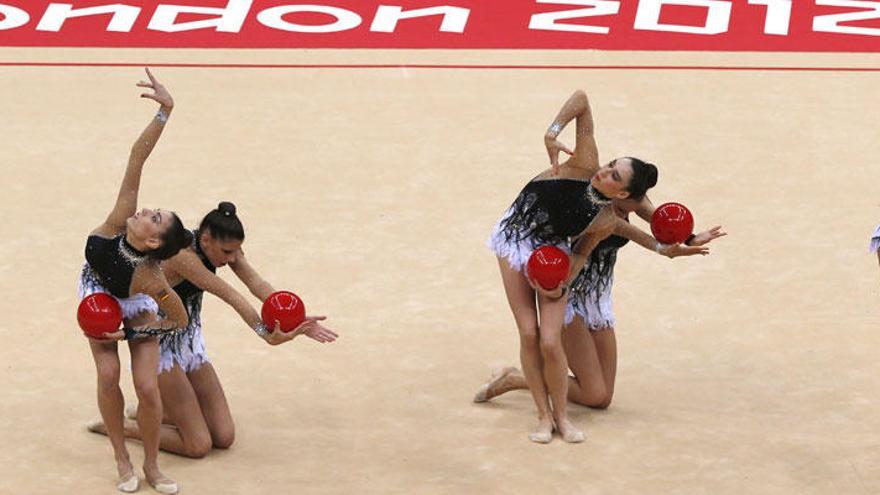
x,y
183,430
214,406
592,357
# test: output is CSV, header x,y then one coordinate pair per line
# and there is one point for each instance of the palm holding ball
x,y
548,267
673,224
285,312
99,314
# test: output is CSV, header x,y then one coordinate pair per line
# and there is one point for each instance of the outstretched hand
x,y
676,250
160,94
315,331
310,327
707,236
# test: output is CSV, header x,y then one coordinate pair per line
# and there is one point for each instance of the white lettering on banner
x,y
13,17
831,23
717,18
778,15
274,18
124,16
547,20
229,19
454,18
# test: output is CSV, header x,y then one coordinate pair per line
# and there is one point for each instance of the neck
x,y
136,243
596,195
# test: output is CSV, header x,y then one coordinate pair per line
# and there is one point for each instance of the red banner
x,y
713,25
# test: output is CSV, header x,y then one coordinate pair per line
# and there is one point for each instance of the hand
x,y
108,337
277,337
676,250
556,293
553,149
708,236
318,332
160,94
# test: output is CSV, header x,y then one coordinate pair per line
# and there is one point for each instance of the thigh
x,y
144,360
582,355
520,297
552,315
106,356
605,343
180,403
212,400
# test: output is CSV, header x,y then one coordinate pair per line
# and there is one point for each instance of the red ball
x,y
548,266
286,307
99,313
672,223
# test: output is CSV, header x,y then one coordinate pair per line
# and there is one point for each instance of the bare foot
x,y
543,433
501,382
569,432
160,482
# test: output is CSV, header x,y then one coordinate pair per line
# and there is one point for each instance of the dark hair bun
x,y
175,238
222,223
644,177
186,239
226,208
651,175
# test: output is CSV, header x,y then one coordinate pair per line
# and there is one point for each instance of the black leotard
x,y
113,261
552,211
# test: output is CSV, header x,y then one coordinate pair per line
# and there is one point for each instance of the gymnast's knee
x,y
551,349
108,376
224,437
197,446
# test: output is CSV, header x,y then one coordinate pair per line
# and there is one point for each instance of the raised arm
x,y
126,201
586,153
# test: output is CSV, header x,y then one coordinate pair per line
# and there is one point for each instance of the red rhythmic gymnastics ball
x,y
548,266
672,223
286,307
99,313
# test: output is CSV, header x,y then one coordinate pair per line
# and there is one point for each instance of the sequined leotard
x,y
546,211
589,296
109,268
187,348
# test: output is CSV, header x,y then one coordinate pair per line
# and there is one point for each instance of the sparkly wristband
x,y
554,129
161,116
262,330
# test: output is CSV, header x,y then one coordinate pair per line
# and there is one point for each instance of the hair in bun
x,y
222,223
644,177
